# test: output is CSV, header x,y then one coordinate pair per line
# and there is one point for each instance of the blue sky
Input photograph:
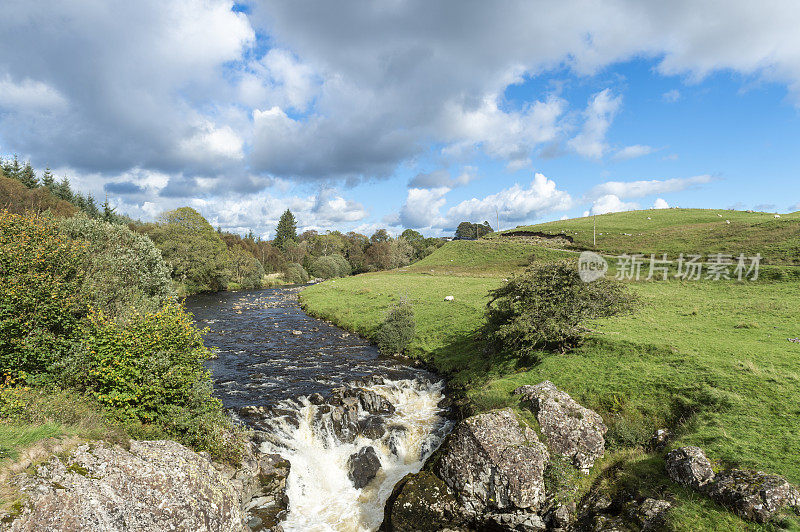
x,y
406,114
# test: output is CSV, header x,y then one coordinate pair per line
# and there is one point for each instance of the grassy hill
x,y
675,231
709,360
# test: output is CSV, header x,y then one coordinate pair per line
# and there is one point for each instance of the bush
x,y
545,308
295,274
123,271
41,276
330,266
397,330
246,271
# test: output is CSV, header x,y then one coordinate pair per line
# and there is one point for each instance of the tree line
x,y
201,258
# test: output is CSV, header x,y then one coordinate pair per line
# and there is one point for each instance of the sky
x,y
359,114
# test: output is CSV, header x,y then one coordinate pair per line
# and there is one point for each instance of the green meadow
x,y
710,361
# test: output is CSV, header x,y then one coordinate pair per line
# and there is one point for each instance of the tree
x,y
483,229
546,307
48,180
108,212
64,191
12,168
466,231
286,230
381,235
28,177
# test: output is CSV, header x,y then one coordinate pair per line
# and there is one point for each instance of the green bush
x,y
246,270
294,273
397,330
330,266
123,271
546,307
41,276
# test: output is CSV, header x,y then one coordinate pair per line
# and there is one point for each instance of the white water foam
x,y
321,496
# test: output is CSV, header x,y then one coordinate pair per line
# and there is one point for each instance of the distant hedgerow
x,y
545,308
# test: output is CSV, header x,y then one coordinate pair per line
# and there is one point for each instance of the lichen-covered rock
x,y
517,521
155,485
422,502
363,466
493,463
689,466
569,429
269,502
753,495
651,514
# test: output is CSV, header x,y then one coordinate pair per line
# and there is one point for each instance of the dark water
x,y
261,358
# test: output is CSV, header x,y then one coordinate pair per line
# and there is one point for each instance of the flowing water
x,y
270,353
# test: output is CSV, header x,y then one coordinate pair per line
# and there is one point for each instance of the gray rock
x,y
753,495
374,403
373,427
660,439
493,463
363,466
156,485
689,466
569,429
422,502
651,514
316,399
344,419
519,521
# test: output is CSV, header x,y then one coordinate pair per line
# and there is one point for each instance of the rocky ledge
x,y
152,485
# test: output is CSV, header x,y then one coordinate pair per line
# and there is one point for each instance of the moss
x,y
15,511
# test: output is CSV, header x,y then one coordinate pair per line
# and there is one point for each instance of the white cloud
x,y
212,146
422,207
631,152
513,204
611,203
278,78
638,189
660,204
599,113
671,96
441,178
29,95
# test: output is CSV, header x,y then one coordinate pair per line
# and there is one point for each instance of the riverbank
x,y
710,362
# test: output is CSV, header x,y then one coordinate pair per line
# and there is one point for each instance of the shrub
x,y
122,271
397,330
40,285
545,308
294,273
246,271
330,266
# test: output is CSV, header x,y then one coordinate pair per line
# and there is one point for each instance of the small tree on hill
x,y
48,180
466,231
546,307
286,230
397,330
28,177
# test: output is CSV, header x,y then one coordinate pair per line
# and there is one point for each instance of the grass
x,y
675,231
709,360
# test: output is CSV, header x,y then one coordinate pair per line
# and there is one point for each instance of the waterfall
x,y
321,495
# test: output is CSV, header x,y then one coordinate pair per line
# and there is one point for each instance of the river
x,y
270,353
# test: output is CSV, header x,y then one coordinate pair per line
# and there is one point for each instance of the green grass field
x,y
708,360
675,231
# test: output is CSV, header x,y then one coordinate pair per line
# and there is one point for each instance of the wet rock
x,y
689,466
570,429
251,412
375,403
316,399
422,502
493,463
753,495
394,437
363,466
651,514
155,485
373,427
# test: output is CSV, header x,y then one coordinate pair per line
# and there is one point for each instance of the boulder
x,y
155,485
753,495
689,466
374,403
422,502
316,399
493,463
569,429
270,502
344,419
373,427
363,466
651,514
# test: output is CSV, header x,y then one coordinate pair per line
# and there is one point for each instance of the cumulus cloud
x,y
422,208
441,178
591,141
513,204
29,95
611,203
639,189
660,204
631,152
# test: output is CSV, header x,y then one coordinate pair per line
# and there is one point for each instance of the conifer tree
x,y
48,180
28,177
286,230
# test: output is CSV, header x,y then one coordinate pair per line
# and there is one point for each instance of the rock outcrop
x,y
423,502
158,485
569,429
689,466
752,495
492,462
153,485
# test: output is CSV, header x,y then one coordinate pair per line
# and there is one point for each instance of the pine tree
x,y
91,207
14,170
286,230
108,211
28,177
64,191
48,180
6,165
